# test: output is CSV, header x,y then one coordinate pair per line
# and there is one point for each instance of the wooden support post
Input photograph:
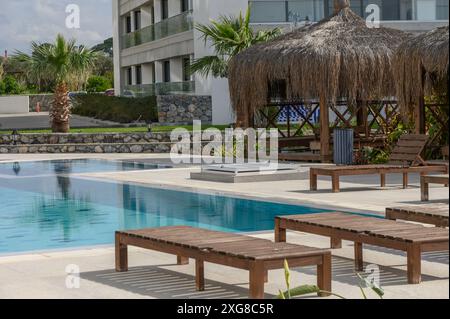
x,y
414,264
280,233
336,243
257,274
335,183
424,190
200,274
419,116
405,180
359,259
324,275
182,260
383,180
324,131
312,180
121,255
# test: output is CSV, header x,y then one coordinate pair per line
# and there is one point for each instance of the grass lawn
x,y
119,129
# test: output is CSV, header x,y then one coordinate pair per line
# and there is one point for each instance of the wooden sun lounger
x,y
405,159
433,214
258,256
425,182
411,238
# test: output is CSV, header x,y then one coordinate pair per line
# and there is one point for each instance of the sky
x,y
23,21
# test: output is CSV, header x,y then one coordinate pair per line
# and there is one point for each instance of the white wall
x,y
117,31
16,104
147,73
176,69
204,11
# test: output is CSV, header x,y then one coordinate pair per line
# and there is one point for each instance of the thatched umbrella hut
x,y
421,69
338,57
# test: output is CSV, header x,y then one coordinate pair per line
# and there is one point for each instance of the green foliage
x,y
310,289
229,35
106,47
97,84
116,109
10,86
62,61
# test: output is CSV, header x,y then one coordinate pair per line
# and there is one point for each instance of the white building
x,y
155,40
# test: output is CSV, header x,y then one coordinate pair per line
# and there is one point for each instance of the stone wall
x,y
44,99
80,138
184,109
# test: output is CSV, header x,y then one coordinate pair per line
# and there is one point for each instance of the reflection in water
x,y
63,167
16,168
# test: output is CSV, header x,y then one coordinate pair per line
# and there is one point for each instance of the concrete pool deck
x,y
154,275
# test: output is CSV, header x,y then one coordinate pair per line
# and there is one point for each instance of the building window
x,y
129,76
185,5
128,24
442,8
166,71
186,69
138,75
137,20
164,9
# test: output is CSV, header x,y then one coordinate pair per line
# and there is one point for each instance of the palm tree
x,y
229,36
59,63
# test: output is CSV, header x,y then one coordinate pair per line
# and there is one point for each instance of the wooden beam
x,y
324,131
419,117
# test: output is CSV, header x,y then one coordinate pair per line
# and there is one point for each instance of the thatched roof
x,y
421,63
338,57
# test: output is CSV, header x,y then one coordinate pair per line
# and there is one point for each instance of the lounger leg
x,y
336,243
414,264
313,181
257,274
266,277
335,183
425,191
182,260
280,233
200,274
405,180
324,275
121,255
359,259
383,180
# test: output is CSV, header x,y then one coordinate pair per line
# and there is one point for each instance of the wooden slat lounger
x,y
411,238
433,214
425,182
405,159
258,256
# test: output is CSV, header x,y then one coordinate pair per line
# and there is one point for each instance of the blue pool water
x,y
44,206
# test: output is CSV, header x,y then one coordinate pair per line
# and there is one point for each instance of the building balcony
x,y
168,27
168,88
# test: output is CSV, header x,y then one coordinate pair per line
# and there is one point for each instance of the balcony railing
x,y
159,89
171,26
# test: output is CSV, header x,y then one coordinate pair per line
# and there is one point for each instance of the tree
x,y
62,61
229,36
97,84
9,85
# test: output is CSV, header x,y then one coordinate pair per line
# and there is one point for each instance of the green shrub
x,y
116,109
97,84
9,85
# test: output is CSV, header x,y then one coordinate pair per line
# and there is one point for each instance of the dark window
x,y
184,5
128,24
186,69
129,76
164,9
442,9
166,71
138,75
137,20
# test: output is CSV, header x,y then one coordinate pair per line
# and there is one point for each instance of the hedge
x,y
116,109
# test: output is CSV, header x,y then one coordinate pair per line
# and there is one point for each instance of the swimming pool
x,y
45,206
